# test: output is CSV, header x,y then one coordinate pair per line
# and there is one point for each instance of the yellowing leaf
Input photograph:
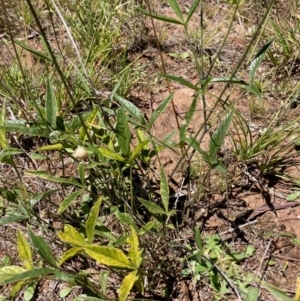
x,y
127,285
71,236
24,251
7,272
69,254
91,221
297,294
109,256
134,253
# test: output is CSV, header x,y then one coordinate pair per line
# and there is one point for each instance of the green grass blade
x,y
161,17
92,220
162,106
192,10
11,219
34,52
43,248
51,104
123,132
176,9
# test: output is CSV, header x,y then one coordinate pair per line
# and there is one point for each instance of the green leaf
x,y
152,208
164,190
24,251
130,108
91,221
3,139
109,256
276,292
46,176
134,252
103,280
68,201
253,89
65,292
162,106
192,10
51,104
176,9
71,236
161,17
50,147
108,153
27,275
11,219
137,151
33,51
187,118
81,169
87,298
257,61
218,137
70,254
22,127
43,248
123,132
180,80
40,196
253,294
29,291
127,285
10,271
89,122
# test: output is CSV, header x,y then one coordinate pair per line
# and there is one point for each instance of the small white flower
x,y
80,153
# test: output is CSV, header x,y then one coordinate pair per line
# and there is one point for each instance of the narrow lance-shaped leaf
x,y
43,248
164,190
192,10
187,118
24,251
127,285
33,51
136,151
109,256
162,106
176,9
71,236
51,104
70,254
134,252
46,176
161,17
257,61
130,108
218,137
91,221
123,132
3,140
69,200
28,275
151,207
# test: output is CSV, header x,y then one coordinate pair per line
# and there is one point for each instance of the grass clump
x,y
91,190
